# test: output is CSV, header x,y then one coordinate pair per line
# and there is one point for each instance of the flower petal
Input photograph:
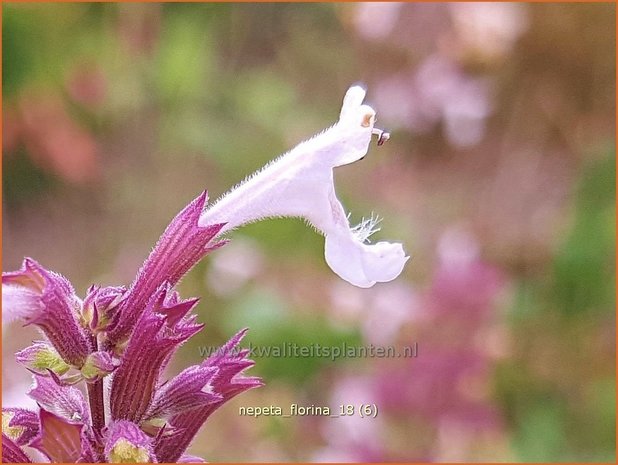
x,y
363,264
354,128
101,305
18,302
383,261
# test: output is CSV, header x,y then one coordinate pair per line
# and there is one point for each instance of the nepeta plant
x,y
117,342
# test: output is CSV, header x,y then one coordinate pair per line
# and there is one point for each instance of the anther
x,y
383,136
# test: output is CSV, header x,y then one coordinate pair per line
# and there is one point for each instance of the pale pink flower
x,y
300,184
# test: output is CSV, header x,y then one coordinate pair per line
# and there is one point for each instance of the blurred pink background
x,y
499,178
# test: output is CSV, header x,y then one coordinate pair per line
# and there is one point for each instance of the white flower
x,y
300,184
18,302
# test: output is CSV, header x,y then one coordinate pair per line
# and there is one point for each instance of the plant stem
x,y
97,408
96,401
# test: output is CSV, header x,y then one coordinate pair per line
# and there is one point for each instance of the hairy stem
x,y
96,401
97,412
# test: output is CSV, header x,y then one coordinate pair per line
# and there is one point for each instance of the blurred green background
x,y
499,179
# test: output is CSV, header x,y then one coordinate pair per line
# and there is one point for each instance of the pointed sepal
x,y
47,300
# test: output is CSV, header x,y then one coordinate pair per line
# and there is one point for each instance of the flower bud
x,y
19,425
100,305
41,357
98,365
46,299
127,443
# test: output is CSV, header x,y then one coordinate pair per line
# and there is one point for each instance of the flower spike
x,y
129,335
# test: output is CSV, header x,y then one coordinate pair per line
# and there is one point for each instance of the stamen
x,y
383,136
366,227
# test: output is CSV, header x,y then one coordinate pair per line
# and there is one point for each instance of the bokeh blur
x,y
499,179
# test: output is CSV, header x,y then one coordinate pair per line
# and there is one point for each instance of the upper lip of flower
x,y
300,183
